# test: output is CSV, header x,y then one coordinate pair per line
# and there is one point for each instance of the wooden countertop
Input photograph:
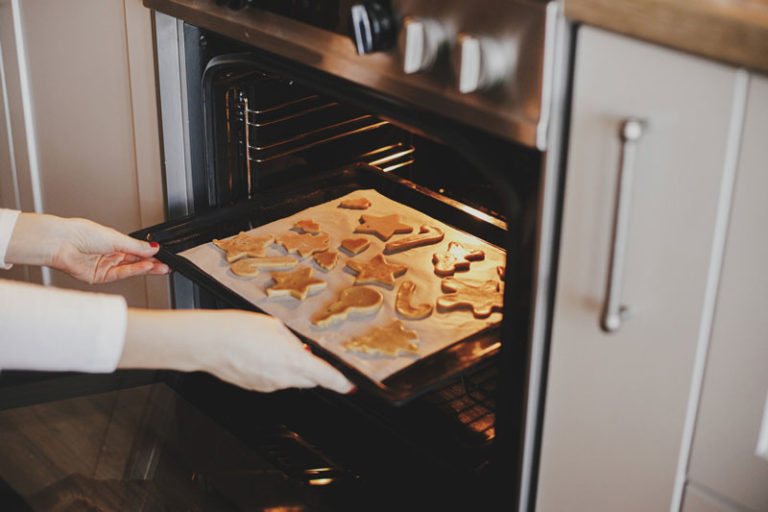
x,y
732,31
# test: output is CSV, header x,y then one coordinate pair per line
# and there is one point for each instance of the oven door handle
x,y
613,311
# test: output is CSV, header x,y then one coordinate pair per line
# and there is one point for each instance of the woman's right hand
x,y
252,350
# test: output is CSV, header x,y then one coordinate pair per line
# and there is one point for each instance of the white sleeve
x,y
44,328
7,223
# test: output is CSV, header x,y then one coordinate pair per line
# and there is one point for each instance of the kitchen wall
x,y
78,122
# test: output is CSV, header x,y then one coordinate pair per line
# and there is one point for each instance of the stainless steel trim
x,y
613,312
247,135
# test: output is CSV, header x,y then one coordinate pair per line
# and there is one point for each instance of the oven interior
x,y
266,123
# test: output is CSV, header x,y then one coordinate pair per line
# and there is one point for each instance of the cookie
x,y
249,267
326,260
304,244
455,258
358,203
298,283
404,302
427,235
376,271
307,226
501,270
391,340
243,245
481,296
355,299
355,245
383,227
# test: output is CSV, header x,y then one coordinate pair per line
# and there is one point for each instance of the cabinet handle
x,y
613,312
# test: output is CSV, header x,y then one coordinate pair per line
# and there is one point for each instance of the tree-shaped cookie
x,y
326,259
298,283
455,257
427,235
391,340
355,299
243,245
376,271
481,296
303,244
358,203
383,227
404,302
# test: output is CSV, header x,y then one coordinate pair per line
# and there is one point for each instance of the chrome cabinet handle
x,y
613,312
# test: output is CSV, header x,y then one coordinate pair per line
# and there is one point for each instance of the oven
x,y
451,108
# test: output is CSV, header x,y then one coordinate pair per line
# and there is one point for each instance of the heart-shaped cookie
x,y
355,245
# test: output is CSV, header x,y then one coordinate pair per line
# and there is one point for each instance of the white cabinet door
x,y
729,455
616,402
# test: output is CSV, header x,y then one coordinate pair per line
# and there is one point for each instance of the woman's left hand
x,y
84,249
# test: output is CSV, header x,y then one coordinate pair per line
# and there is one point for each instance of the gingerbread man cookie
x,y
481,296
404,302
455,258
355,299
391,340
355,245
243,245
304,244
358,203
383,227
326,260
427,235
249,267
376,271
298,283
307,226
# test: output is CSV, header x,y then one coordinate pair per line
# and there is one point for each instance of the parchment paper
x,y
440,329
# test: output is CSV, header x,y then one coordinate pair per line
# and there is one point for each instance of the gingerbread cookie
x,y
358,203
404,302
501,270
243,245
427,235
307,226
391,340
355,299
355,245
376,271
304,243
298,283
383,227
455,258
326,260
249,267
481,296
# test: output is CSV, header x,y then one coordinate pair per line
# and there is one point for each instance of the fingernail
x,y
352,391
154,245
307,348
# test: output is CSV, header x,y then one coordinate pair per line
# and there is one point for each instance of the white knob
x,y
420,41
482,62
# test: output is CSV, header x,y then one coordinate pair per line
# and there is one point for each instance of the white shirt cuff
x,y
7,223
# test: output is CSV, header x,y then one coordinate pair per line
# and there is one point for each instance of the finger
x,y
159,269
327,376
128,270
130,245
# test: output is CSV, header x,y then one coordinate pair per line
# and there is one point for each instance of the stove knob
x,y
482,62
420,41
373,27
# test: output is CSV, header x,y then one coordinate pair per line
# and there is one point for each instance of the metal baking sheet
x,y
406,378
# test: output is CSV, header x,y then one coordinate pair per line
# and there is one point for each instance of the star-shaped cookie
x,y
298,283
376,271
244,245
455,257
304,243
383,227
481,296
391,340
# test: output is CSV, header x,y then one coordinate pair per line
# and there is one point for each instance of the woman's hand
x,y
251,350
85,250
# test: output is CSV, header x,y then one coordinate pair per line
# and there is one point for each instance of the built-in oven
x,y
451,108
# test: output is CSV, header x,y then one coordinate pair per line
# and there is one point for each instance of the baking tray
x,y
277,202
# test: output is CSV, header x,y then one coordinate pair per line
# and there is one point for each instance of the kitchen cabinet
x,y
729,454
80,108
616,402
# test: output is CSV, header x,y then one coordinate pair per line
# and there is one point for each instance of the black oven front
x,y
270,107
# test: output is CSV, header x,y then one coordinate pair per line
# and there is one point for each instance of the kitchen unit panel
x,y
616,401
727,455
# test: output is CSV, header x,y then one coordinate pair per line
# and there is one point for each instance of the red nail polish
x,y
307,348
154,245
352,391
